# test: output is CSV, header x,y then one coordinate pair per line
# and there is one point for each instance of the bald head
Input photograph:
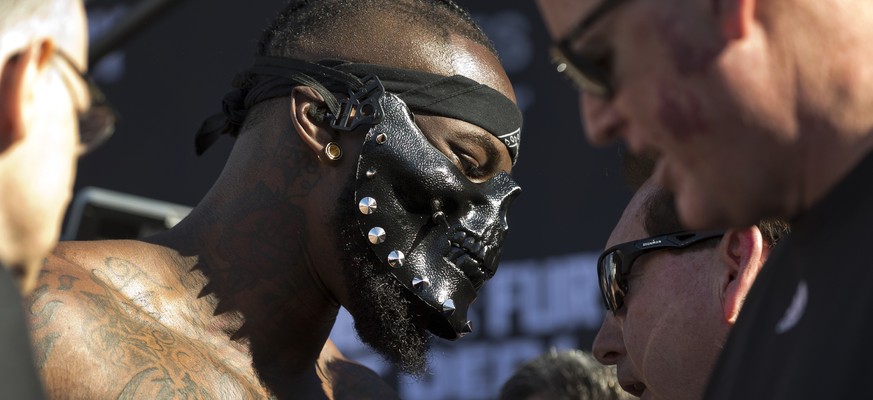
x,y
14,11
24,22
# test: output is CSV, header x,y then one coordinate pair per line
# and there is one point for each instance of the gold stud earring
x,y
333,151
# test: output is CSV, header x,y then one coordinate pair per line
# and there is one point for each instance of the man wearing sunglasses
x,y
49,115
753,108
672,295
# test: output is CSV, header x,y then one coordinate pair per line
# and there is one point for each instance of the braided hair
x,y
304,22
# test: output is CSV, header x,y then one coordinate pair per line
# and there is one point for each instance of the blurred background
x,y
172,74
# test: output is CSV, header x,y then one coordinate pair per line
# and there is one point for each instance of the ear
x,y
742,253
735,17
307,115
17,80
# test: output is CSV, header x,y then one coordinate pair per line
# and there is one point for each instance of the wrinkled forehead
x,y
631,226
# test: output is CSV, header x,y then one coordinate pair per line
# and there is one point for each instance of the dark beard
x,y
385,313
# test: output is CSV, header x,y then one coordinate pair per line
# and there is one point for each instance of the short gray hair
x,y
567,375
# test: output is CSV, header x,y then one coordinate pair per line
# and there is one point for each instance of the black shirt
x,y
806,329
18,378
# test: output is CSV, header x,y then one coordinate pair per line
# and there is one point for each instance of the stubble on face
x,y
386,316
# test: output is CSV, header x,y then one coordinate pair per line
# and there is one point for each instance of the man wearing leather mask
x,y
370,171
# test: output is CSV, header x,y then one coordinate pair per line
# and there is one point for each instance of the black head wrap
x,y
454,96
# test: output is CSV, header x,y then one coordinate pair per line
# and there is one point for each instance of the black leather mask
x,y
438,233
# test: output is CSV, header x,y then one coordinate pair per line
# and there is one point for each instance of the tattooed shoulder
x,y
92,340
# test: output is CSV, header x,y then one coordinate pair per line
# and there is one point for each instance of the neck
x,y
246,253
826,161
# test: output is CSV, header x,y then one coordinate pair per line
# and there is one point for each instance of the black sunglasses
x,y
97,123
614,264
589,75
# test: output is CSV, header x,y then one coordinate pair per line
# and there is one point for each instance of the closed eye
x,y
470,166
476,156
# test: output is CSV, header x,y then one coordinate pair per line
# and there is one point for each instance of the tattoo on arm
x,y
43,348
66,282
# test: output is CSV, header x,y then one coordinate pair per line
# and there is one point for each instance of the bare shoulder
x,y
345,379
100,331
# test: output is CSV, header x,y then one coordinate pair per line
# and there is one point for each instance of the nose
x,y
503,212
484,211
601,118
609,344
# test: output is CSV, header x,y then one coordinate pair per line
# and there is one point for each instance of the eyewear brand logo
x,y
652,243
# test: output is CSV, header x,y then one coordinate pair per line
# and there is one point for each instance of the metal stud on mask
x,y
442,232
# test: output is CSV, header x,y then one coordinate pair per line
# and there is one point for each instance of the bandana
x,y
454,96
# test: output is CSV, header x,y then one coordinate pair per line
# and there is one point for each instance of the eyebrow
x,y
484,141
